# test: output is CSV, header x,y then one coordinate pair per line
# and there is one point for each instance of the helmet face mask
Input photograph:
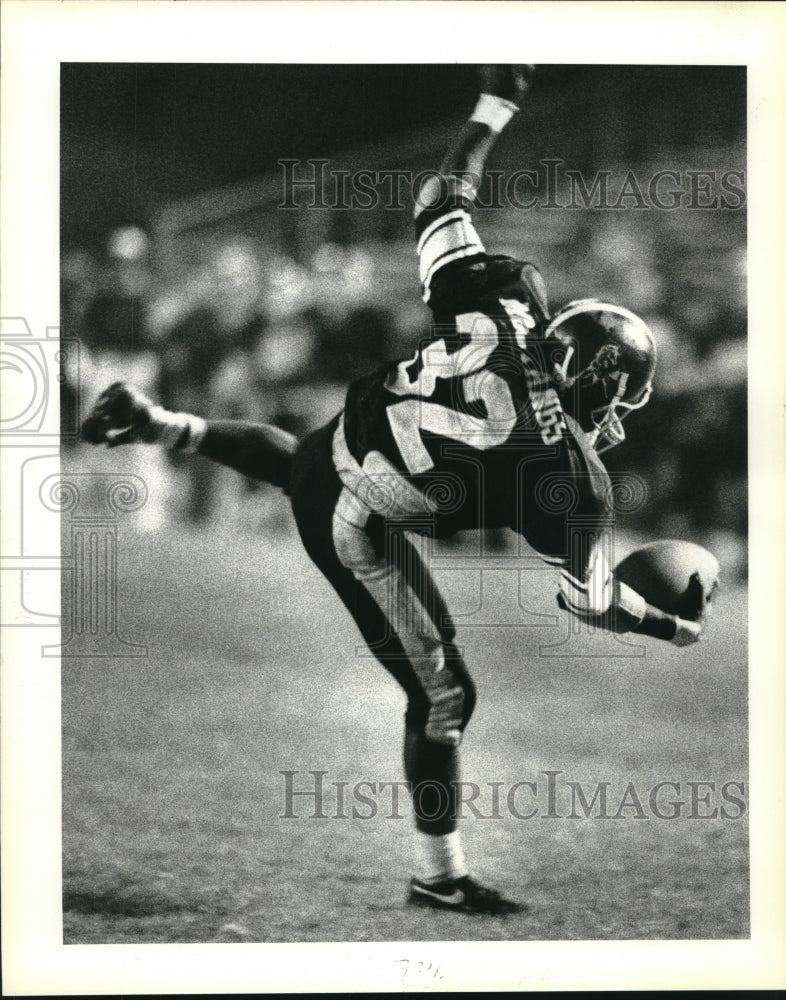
x,y
609,431
605,369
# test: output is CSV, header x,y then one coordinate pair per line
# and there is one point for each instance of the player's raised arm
x,y
502,89
443,225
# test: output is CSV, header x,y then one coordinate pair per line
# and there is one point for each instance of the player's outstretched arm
x,y
443,227
124,415
502,90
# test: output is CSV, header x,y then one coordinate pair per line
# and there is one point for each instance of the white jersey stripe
x,y
553,560
574,582
577,609
458,213
448,238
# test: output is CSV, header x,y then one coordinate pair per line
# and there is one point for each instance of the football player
x,y
503,409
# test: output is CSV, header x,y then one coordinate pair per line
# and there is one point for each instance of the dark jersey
x,y
471,420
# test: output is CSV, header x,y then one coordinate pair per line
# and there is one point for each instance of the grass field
x,y
172,763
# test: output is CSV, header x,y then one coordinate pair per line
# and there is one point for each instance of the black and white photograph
x,y
388,499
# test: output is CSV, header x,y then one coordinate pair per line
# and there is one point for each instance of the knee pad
x,y
455,663
451,705
443,714
445,722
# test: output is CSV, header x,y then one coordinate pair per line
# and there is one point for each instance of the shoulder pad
x,y
462,287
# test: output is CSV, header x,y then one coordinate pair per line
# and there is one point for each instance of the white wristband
x,y
197,428
172,427
493,111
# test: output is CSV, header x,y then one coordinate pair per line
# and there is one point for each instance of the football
x,y
678,577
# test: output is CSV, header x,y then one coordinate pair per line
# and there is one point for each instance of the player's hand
x,y
687,633
699,605
508,82
695,603
121,415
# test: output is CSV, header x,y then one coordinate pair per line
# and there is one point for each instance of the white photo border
x,y
36,38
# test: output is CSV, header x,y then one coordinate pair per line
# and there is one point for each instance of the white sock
x,y
444,856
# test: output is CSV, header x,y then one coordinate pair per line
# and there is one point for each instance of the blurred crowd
x,y
250,330
247,333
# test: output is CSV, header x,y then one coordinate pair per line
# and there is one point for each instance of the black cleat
x,y
463,894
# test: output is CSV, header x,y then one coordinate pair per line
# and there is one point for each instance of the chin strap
x,y
610,425
560,371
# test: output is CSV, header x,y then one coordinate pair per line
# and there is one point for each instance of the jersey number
x,y
467,366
